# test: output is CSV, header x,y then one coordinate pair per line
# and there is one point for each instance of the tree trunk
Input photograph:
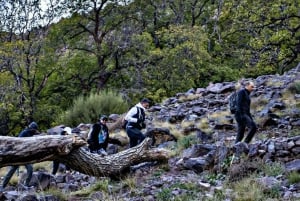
x,y
71,150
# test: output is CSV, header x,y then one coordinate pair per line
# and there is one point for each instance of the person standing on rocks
x,y
136,122
28,132
242,115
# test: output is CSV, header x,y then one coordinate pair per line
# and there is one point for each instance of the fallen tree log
x,y
71,151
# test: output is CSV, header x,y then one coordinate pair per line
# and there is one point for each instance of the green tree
x,y
26,60
267,33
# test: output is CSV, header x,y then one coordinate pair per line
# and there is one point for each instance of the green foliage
x,y
293,177
164,195
186,142
247,189
101,185
213,178
88,109
294,88
273,169
56,193
185,44
294,132
263,32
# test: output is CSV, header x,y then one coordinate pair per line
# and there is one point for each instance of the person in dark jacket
x,y
243,116
136,122
28,132
98,136
65,131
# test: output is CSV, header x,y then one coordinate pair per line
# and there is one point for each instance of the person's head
x,y
103,119
249,86
33,125
145,102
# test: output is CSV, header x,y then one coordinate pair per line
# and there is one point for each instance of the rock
x,y
293,166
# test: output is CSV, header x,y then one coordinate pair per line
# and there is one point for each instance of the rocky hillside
x,y
206,164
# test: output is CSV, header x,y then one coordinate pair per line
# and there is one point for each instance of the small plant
x,y
158,173
130,182
58,194
273,192
294,132
295,88
247,189
293,177
213,178
186,141
164,195
101,185
273,169
186,186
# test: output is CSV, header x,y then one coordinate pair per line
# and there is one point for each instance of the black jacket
x,y
94,142
243,102
28,132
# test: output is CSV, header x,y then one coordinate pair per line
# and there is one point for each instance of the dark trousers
x,y
243,121
94,147
13,169
56,166
135,136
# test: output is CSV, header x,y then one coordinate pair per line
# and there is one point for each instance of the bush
x,y
88,109
294,177
295,88
273,169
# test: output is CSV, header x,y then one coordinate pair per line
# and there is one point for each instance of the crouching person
x,y
98,137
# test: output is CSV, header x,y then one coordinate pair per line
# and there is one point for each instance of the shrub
x,y
247,189
273,169
186,141
164,195
295,88
59,195
88,109
293,177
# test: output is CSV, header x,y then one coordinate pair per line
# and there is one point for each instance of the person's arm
x,y
240,99
129,116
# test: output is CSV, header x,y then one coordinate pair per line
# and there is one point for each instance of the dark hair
x,y
145,100
33,125
103,117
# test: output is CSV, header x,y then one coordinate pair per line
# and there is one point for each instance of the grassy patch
x,y
258,103
58,194
164,195
186,142
247,189
273,169
130,183
101,185
294,132
46,165
293,177
294,87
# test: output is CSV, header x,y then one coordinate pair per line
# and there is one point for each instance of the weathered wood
x,y
71,151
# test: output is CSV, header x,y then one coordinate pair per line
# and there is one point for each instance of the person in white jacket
x,y
136,122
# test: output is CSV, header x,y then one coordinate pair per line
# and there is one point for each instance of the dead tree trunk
x,y
70,150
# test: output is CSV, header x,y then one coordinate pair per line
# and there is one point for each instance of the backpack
x,y
124,123
233,102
